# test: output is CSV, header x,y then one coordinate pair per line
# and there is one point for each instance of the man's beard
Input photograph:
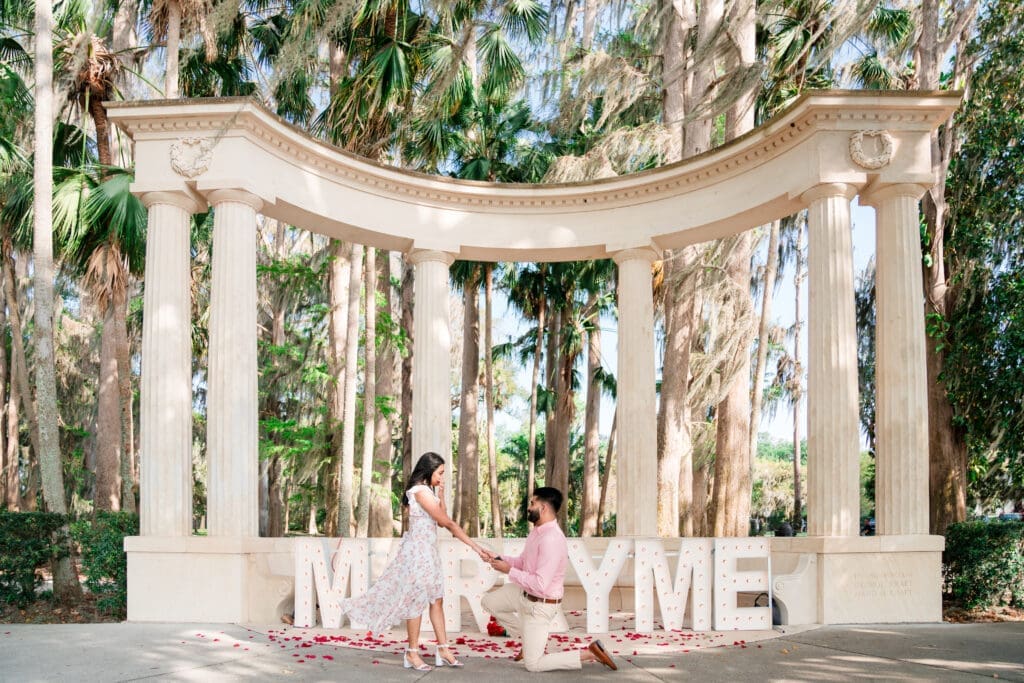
x,y
533,516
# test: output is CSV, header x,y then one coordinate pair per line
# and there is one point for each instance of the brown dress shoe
x,y
602,655
518,657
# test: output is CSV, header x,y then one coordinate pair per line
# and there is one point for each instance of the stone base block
x,y
858,580
204,580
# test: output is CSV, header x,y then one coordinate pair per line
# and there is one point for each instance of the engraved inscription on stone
x,y
882,583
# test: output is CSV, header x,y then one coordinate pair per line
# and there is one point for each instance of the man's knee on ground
x,y
532,664
487,602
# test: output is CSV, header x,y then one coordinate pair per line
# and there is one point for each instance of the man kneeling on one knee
x,y
529,601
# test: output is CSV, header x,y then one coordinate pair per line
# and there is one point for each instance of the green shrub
x,y
28,541
983,564
104,562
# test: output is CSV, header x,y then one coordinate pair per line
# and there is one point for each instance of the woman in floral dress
x,y
413,579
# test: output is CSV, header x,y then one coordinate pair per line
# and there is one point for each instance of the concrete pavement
x,y
189,652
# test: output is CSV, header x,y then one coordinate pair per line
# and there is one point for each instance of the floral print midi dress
x,y
410,582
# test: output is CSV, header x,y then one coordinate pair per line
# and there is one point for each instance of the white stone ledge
x,y
207,545
858,544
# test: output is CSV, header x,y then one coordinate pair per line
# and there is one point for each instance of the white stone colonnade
x,y
827,148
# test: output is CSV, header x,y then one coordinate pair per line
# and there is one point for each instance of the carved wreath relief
x,y
191,156
883,146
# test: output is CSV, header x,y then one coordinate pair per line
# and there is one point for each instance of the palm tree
x,y
339,276
168,18
17,102
492,457
466,275
597,277
369,394
65,581
732,487
525,287
348,438
390,345
107,245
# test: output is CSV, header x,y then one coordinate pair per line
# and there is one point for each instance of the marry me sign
x,y
702,578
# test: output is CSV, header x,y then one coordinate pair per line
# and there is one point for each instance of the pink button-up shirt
x,y
540,570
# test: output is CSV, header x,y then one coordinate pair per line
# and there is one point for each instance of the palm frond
x,y
524,19
117,216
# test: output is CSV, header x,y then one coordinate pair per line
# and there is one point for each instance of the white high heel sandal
x,y
441,661
409,665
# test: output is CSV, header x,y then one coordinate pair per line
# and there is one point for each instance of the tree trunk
x,y
173,42
492,456
697,135
592,423
99,119
369,395
730,503
770,272
606,476
674,443
468,510
551,364
20,389
311,522
797,389
348,431
947,450
108,418
65,580
408,301
8,464
531,459
123,36
127,397
946,447
675,446
732,486
701,471
123,41
272,469
558,449
590,10
340,275
381,517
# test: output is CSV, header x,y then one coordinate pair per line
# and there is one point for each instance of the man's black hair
x,y
550,495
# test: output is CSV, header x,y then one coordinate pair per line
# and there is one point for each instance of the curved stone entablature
x,y
754,179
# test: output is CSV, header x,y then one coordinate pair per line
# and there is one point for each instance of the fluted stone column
x,y
231,437
432,343
636,501
833,443
165,467
901,384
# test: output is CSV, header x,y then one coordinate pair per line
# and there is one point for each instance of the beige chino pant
x,y
530,621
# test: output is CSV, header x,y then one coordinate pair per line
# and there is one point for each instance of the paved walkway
x,y
189,652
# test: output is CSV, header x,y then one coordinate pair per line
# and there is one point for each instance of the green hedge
x,y
983,564
104,562
28,542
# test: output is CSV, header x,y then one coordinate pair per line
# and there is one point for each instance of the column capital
x,y
417,256
182,200
240,196
873,195
648,254
829,190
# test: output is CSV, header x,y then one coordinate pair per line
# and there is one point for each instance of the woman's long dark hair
x,y
421,474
